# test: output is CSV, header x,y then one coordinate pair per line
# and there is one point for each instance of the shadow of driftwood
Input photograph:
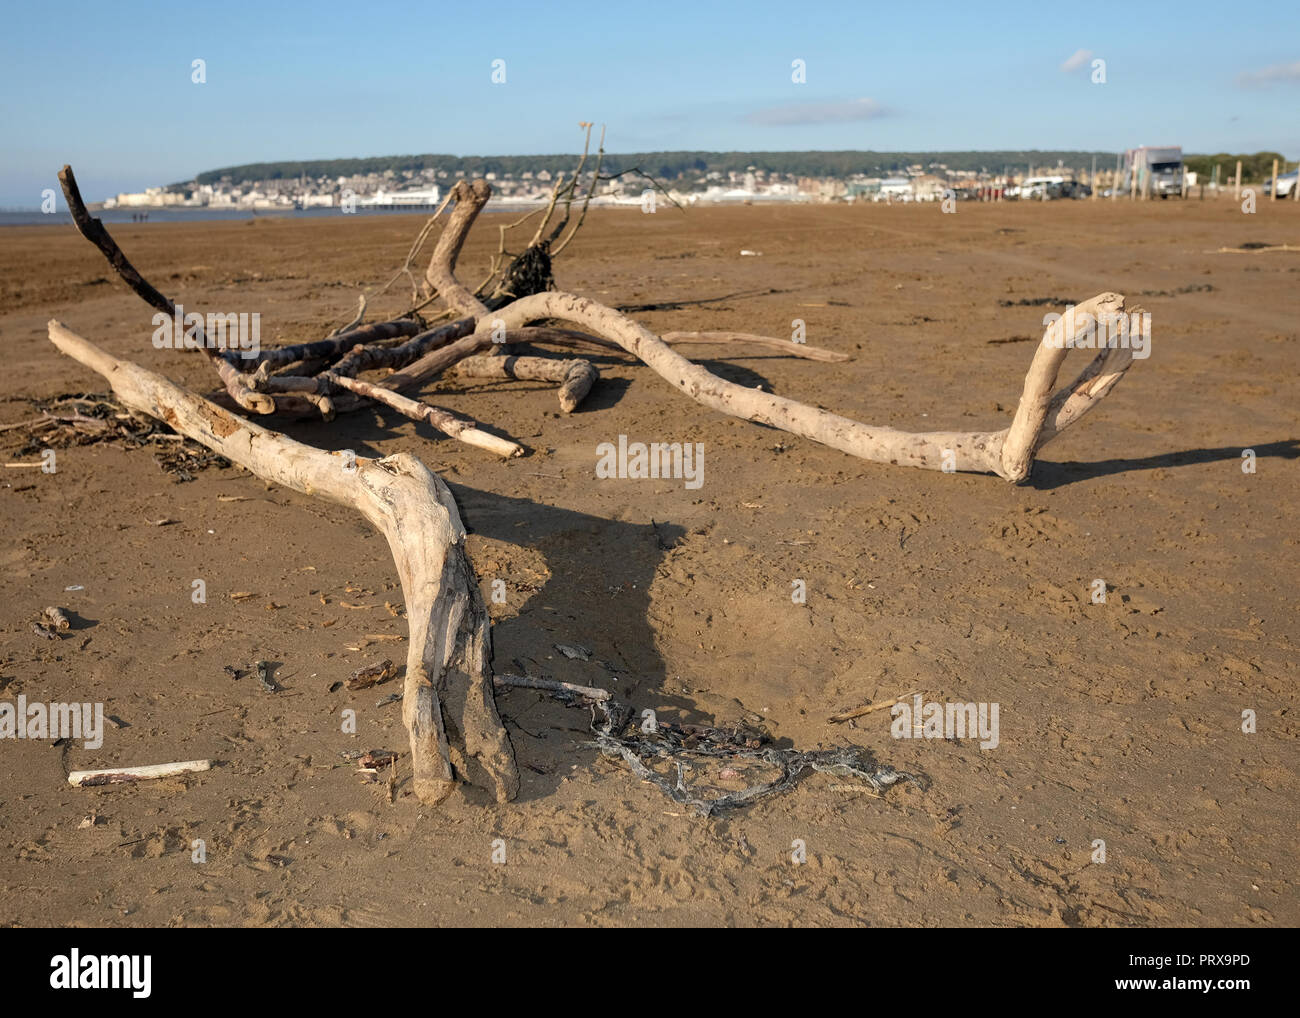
x,y
597,597
678,305
1048,475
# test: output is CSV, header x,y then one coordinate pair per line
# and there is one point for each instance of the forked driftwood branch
x,y
448,677
1009,453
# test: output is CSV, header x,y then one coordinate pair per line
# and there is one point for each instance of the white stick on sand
x,y
120,775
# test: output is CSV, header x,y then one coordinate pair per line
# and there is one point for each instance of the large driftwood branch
x,y
1007,453
448,675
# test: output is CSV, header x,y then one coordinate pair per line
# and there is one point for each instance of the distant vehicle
x,y
1069,189
1032,188
1286,183
1159,171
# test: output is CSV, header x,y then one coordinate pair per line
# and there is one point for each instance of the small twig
x,y
552,686
858,712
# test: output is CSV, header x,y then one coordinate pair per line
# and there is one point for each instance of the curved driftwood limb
x,y
576,377
1072,401
981,452
448,676
1025,436
470,198
972,451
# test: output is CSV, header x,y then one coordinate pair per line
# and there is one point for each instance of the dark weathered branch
x,y
93,230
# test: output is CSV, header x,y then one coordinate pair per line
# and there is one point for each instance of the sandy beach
x,y
1120,722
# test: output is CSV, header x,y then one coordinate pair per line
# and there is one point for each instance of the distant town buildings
x,y
425,188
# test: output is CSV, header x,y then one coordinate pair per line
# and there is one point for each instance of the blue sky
x,y
107,86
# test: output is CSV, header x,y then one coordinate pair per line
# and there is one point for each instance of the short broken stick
x,y
552,686
122,775
576,377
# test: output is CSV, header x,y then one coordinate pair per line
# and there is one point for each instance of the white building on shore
x,y
390,199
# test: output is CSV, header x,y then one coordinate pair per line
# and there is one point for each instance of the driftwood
x,y
486,325
125,775
576,377
552,686
448,701
447,673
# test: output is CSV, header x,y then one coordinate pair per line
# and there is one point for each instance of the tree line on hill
x,y
666,166
672,166
1254,168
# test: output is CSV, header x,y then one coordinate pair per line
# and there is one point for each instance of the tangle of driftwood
x,y
448,683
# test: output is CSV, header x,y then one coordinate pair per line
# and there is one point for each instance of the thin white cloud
x,y
1274,75
1077,62
818,113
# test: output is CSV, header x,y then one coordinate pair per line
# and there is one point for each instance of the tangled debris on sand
x,y
87,418
711,768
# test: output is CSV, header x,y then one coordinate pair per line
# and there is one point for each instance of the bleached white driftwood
x,y
148,772
447,667
1008,453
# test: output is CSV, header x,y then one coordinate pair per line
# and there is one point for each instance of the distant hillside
x,y
663,165
1254,166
